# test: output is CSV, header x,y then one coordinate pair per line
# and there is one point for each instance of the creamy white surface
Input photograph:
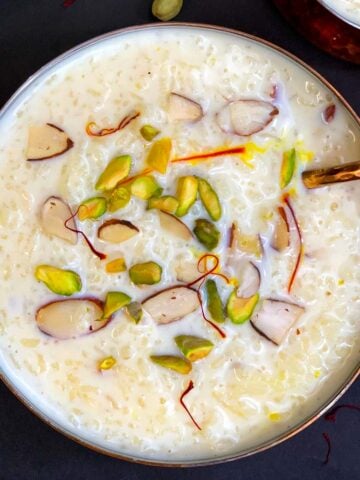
x,y
348,9
134,407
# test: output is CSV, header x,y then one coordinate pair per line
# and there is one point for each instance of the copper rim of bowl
x,y
269,443
338,14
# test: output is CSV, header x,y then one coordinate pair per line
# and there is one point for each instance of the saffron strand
x,y
183,395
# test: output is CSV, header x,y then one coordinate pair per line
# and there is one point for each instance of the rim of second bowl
x,y
301,425
339,14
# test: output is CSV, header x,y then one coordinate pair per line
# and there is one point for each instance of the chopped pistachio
x,y
206,233
119,198
62,282
116,170
145,187
107,363
209,199
147,273
166,203
240,309
114,301
214,303
149,132
194,348
159,155
287,167
92,208
186,194
117,265
178,364
166,10
134,311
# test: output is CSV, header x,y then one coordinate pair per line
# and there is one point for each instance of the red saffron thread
x,y
331,416
183,395
202,280
216,153
146,171
328,443
299,257
212,271
108,131
101,255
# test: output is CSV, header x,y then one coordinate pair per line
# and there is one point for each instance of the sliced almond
x,y
281,237
66,319
47,141
184,109
246,117
117,231
232,239
54,213
174,226
275,318
250,280
171,304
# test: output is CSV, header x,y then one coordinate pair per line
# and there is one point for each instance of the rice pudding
x,y
170,289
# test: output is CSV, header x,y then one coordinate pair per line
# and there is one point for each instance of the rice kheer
x,y
170,289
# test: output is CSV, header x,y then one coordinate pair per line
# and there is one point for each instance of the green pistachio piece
x,y
239,309
206,233
149,132
287,167
145,187
118,199
114,301
62,282
178,364
209,199
117,170
166,10
134,311
194,348
147,273
214,303
186,194
92,208
159,155
167,203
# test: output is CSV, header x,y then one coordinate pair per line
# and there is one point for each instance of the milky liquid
x,y
247,390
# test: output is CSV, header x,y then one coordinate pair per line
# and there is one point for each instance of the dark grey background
x,y
32,32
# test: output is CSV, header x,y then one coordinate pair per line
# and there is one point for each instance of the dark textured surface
x,y
32,32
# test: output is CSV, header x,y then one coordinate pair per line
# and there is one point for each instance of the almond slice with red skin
x,y
250,280
53,215
281,237
47,141
246,117
117,231
171,304
174,226
73,318
184,109
275,318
